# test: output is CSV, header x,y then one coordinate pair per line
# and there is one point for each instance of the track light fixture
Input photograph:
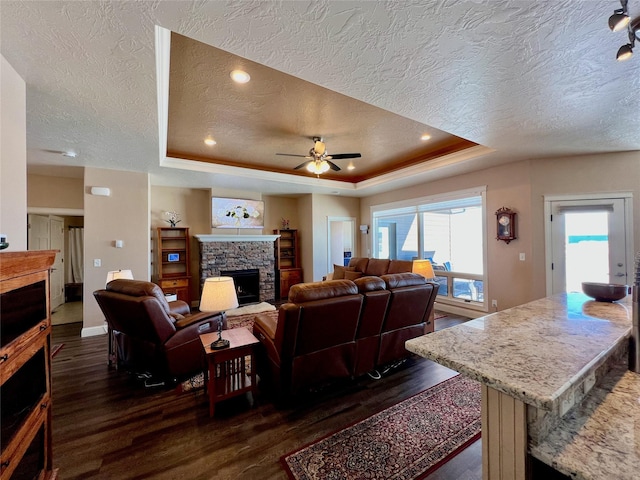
x,y
618,22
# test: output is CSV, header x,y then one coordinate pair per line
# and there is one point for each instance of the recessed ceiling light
x,y
351,166
240,76
210,141
425,137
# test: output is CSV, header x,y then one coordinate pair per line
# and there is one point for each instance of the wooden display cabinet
x,y
172,269
25,365
288,268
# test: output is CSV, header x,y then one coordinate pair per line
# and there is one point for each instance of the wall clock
x,y
506,224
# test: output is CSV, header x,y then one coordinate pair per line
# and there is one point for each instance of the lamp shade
x,y
424,268
115,274
218,295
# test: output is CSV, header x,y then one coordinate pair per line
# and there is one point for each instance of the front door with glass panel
x,y
588,243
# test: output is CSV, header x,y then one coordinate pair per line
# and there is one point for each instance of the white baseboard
x,y
94,331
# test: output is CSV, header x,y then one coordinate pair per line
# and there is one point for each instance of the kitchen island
x,y
535,363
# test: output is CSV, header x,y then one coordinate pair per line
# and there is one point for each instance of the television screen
x,y
236,213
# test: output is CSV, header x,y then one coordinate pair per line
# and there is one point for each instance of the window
x,y
448,230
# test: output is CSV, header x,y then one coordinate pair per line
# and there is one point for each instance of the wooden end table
x,y
226,372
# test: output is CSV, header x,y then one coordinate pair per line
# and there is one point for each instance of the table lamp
x,y
218,295
424,268
115,274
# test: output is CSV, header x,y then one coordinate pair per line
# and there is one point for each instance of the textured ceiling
x,y
526,79
276,112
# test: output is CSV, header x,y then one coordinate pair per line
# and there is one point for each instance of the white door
x,y
341,240
588,241
56,231
38,232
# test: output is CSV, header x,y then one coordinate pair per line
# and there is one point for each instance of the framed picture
x,y
173,257
236,213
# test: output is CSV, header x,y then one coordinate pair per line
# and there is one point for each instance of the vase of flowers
x,y
173,218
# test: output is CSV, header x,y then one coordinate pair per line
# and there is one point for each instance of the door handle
x,y
620,275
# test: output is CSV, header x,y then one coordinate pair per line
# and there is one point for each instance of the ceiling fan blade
x,y
293,155
340,156
302,165
333,166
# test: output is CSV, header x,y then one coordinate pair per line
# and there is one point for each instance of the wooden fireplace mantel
x,y
236,238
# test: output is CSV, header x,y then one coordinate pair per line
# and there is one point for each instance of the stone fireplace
x,y
224,253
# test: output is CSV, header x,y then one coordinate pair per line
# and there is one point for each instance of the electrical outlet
x,y
494,304
97,262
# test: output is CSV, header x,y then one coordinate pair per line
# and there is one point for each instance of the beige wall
x,y
507,186
305,235
521,186
124,215
193,205
13,157
324,206
55,192
601,173
276,208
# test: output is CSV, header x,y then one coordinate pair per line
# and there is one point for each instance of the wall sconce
x,y
364,229
100,191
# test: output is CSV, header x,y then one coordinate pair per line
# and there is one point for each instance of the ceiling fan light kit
x,y
618,22
319,160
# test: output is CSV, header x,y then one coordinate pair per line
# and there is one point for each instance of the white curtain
x,y
76,249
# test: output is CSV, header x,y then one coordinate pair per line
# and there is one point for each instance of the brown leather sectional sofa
x,y
342,329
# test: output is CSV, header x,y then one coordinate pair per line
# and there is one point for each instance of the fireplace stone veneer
x,y
239,252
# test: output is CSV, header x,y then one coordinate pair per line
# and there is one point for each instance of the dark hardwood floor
x,y
107,425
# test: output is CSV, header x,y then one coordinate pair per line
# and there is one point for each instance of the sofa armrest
x,y
199,317
264,329
179,307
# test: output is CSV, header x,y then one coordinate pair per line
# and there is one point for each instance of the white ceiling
x,y
527,79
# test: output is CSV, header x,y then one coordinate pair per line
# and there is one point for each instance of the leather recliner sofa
x,y
314,338
152,335
342,329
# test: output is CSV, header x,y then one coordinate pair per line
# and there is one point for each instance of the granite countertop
x,y
534,352
600,438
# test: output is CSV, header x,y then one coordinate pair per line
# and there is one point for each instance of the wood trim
x,y
504,436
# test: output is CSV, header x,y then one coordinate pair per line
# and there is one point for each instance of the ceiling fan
x,y
319,160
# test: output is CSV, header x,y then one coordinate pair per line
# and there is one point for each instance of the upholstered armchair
x,y
151,335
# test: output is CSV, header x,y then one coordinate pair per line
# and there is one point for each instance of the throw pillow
x,y
352,275
339,271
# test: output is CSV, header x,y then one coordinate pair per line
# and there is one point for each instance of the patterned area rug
x,y
404,442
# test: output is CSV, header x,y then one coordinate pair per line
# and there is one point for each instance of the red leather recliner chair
x,y
152,335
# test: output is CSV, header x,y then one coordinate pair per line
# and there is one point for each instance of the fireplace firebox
x,y
247,284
